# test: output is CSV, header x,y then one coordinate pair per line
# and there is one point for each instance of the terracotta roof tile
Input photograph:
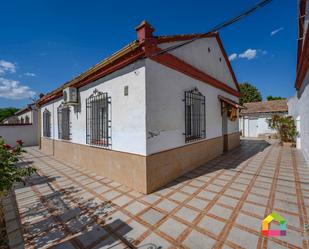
x,y
265,107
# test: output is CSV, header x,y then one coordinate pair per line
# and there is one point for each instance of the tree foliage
x,y
10,172
285,127
249,93
7,112
270,97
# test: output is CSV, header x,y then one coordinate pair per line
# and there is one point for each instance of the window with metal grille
x,y
195,116
97,123
27,119
64,122
46,123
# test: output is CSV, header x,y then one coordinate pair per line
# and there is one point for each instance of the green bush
x,y
10,173
285,127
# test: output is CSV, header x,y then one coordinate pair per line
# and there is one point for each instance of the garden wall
x,y
13,132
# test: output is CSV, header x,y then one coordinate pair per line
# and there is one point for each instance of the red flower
x,y
20,142
7,146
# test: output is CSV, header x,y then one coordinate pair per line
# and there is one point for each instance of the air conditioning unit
x,y
70,96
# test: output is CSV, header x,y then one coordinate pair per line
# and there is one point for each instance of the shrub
x,y
10,173
285,127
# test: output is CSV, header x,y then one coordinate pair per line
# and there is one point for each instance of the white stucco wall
x,y
263,126
27,133
246,123
29,114
165,89
127,113
298,108
196,53
155,102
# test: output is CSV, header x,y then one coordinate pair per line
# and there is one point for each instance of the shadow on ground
x,y
65,218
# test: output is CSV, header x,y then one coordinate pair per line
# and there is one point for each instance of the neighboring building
x,y
143,117
253,118
10,120
23,125
299,104
27,115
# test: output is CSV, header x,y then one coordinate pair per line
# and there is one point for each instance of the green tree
x,y
7,112
249,93
270,97
285,127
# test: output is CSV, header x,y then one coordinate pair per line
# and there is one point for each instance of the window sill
x,y
194,139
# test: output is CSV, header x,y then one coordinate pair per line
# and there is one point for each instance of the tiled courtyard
x,y
219,205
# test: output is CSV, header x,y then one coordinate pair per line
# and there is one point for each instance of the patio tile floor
x,y
219,205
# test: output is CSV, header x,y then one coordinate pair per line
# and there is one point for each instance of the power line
x,y
220,26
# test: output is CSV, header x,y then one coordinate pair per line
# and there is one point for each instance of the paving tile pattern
x,y
219,205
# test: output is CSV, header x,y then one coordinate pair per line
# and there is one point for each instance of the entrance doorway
x,y
253,127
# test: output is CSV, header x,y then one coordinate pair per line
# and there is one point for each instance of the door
x,y
253,127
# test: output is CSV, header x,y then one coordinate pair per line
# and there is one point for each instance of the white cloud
x,y
30,74
233,57
6,66
248,54
272,33
11,89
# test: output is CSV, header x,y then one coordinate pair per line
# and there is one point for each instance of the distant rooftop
x,y
266,107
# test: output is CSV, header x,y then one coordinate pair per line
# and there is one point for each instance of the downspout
x,y
53,128
39,127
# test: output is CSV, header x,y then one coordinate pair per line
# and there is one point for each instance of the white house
x,y
10,120
146,115
253,118
26,115
299,104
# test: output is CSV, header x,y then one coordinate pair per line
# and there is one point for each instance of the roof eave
x,y
116,57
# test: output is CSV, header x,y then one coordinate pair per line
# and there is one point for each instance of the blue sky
x,y
46,43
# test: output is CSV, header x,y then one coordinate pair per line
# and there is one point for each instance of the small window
x,y
64,122
46,123
97,122
195,117
22,120
27,119
126,90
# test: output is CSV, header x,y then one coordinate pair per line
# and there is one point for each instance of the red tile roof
x,y
129,54
265,107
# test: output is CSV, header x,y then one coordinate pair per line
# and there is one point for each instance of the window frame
x,y
27,119
195,115
97,120
46,123
64,129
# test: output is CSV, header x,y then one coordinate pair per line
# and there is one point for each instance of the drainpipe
x,y
53,129
39,128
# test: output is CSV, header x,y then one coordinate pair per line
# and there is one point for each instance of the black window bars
x,y
97,119
64,123
195,116
27,119
46,123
